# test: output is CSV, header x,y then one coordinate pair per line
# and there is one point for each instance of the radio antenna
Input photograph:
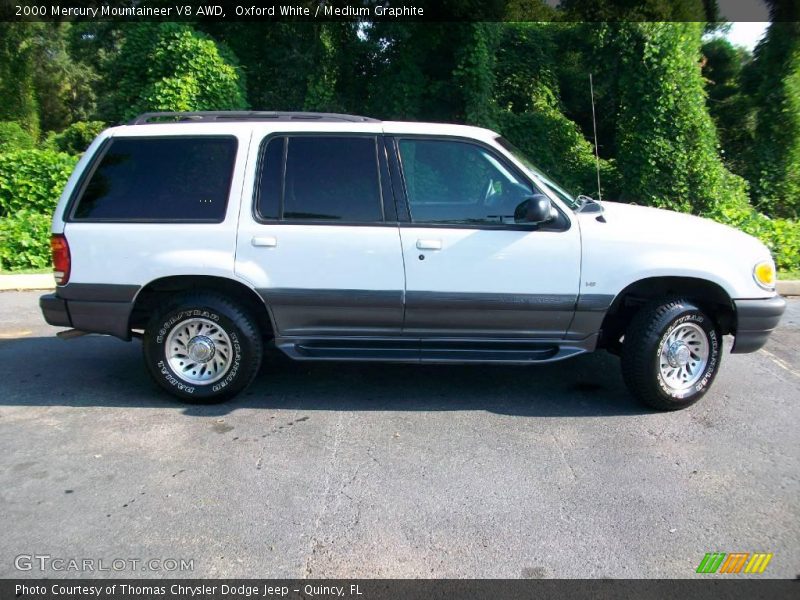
x,y
596,154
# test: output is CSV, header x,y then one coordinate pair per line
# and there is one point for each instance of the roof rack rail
x,y
254,115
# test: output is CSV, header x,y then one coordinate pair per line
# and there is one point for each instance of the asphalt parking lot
x,y
347,470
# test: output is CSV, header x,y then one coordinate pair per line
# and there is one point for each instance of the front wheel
x,y
202,348
671,354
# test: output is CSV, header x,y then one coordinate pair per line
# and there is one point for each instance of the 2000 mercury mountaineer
x,y
338,237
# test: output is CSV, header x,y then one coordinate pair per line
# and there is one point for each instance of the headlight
x,y
764,274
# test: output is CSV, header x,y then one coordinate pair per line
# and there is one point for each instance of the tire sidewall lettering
x,y
172,380
167,325
234,370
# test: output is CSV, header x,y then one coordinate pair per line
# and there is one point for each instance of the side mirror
x,y
536,209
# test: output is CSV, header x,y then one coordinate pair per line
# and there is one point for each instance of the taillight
x,y
61,259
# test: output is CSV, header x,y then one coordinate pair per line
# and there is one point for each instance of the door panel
x,y
326,280
315,247
471,269
490,282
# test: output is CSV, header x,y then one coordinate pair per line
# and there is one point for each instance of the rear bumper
x,y
91,308
755,320
54,310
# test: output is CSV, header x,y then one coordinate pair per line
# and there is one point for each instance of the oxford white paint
x,y
634,243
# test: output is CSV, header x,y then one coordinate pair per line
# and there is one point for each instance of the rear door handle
x,y
266,241
429,244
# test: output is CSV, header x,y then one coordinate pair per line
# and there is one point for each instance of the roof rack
x,y
255,115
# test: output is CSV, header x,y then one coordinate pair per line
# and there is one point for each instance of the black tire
x,y
242,355
641,353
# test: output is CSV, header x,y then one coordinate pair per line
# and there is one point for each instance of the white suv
x,y
338,237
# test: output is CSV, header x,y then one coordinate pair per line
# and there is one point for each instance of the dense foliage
x,y
666,140
683,122
18,98
725,69
31,182
76,138
527,96
775,166
169,67
14,137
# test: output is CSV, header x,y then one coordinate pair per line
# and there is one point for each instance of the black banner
x,y
384,589
387,10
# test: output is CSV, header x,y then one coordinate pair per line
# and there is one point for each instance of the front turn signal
x,y
764,274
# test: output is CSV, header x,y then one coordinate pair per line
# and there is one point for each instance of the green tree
x,y
276,60
413,65
170,67
730,107
474,73
775,155
579,53
17,69
322,80
531,114
65,86
666,140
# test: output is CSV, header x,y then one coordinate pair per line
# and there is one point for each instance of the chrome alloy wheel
x,y
199,351
684,356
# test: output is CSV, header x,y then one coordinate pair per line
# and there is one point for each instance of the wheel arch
x,y
155,292
709,296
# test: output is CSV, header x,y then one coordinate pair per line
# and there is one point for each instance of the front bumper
x,y
755,320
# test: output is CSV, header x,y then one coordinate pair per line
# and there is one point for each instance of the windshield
x,y
559,191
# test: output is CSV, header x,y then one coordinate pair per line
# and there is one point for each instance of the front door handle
x,y
265,241
429,244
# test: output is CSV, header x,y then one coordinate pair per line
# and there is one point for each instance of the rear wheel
x,y
202,347
671,354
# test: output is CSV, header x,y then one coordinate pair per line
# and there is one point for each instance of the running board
x,y
428,351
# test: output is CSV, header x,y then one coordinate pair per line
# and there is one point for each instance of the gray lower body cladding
x,y
441,326
328,312
309,313
438,327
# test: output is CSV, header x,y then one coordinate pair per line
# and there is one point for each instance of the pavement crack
x,y
563,456
330,469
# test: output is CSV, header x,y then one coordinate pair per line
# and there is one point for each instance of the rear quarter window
x,y
159,179
328,178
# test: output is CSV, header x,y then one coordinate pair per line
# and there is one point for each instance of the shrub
x,y
14,137
25,240
76,138
781,236
33,179
556,146
31,182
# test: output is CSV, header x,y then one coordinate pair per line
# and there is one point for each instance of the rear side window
x,y
320,178
160,179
